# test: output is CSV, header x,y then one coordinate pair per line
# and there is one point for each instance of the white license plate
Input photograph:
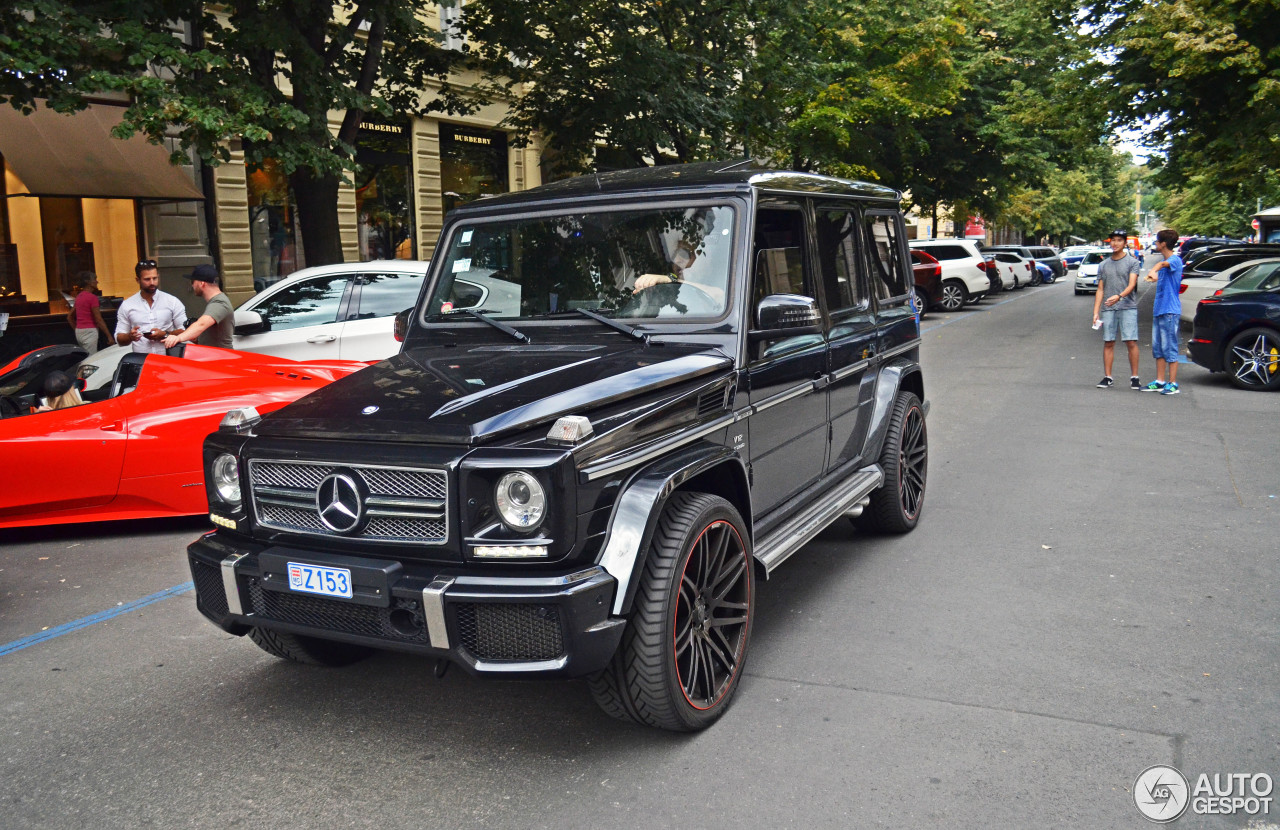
x,y
317,579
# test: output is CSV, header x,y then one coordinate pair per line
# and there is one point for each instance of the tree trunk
x,y
317,197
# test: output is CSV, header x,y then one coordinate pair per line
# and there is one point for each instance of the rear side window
x,y
884,253
946,252
837,258
1043,253
383,295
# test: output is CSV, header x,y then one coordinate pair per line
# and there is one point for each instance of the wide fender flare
x,y
636,512
890,379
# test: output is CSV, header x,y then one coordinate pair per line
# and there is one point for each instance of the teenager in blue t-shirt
x,y
1165,313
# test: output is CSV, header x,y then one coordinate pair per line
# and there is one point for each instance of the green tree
x,y
267,71
652,80
1203,78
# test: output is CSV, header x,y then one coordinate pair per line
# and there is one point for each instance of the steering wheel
x,y
9,407
688,299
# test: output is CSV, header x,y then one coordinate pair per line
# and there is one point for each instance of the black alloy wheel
x,y
682,654
895,507
1252,359
954,295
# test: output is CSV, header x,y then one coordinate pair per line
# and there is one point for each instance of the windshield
x,y
1093,258
1264,276
647,263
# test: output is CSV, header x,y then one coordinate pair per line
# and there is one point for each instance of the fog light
x,y
509,551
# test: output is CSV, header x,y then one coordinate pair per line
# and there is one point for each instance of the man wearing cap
x,y
217,323
145,319
1116,306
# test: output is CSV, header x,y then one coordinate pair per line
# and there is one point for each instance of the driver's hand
x,y
649,281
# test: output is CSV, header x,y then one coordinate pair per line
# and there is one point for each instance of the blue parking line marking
x,y
84,622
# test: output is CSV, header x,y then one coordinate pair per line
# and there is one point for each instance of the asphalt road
x,y
1091,591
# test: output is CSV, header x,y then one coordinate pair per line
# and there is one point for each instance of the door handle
x,y
322,338
114,426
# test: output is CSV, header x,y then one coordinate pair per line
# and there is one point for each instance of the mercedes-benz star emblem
x,y
369,410
339,504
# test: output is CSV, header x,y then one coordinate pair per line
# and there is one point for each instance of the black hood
x,y
466,395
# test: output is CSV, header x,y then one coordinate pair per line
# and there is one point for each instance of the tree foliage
x,y
1202,78
269,72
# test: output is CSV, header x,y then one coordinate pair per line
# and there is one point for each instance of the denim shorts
x,y
1125,318
1164,337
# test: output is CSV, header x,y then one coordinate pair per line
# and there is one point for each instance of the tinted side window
x,y
307,303
944,252
383,295
884,253
837,261
1214,264
1043,253
779,253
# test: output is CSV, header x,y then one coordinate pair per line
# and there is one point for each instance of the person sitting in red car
x,y
59,393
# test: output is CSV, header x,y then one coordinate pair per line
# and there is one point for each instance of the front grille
x,y
208,581
401,504
332,615
510,631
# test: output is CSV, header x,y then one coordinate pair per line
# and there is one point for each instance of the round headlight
x,y
226,478
520,500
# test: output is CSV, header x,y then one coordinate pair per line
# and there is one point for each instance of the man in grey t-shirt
x,y
1115,306
217,323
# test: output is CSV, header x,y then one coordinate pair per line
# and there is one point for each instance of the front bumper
x,y
546,625
1086,282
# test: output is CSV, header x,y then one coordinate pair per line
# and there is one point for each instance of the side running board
x,y
787,538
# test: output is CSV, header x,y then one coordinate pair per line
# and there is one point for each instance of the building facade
x,y
76,199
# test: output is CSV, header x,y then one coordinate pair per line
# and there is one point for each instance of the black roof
x,y
717,175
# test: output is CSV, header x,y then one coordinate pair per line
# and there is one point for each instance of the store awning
x,y
76,155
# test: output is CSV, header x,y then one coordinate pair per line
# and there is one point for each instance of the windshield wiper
x,y
502,327
631,331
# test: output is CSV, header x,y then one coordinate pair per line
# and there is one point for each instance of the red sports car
x,y
132,449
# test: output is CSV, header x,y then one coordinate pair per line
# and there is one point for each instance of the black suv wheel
x,y
686,641
895,507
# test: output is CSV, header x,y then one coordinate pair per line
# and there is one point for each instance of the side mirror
x,y
786,315
401,326
250,322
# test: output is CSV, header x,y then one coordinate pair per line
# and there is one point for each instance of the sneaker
x,y
1170,389
1106,383
1134,383
1153,386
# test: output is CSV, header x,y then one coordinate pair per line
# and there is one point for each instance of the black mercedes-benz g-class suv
x,y
620,401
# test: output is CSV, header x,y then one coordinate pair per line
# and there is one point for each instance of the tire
x,y
1252,359
954,295
1017,285
922,301
679,625
310,651
895,506
1036,279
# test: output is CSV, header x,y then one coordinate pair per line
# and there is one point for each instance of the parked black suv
x,y
674,379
